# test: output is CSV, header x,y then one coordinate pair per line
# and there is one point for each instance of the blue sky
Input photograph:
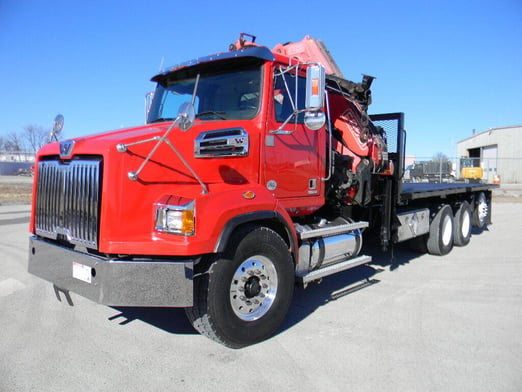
x,y
451,66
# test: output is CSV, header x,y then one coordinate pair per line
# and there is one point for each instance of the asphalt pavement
x,y
420,323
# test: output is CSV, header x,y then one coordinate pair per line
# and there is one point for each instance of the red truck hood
x,y
127,206
165,164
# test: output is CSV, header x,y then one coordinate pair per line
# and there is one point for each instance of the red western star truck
x,y
256,169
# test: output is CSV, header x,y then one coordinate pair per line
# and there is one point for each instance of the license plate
x,y
82,272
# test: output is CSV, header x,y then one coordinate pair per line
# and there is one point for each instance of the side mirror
x,y
314,118
315,85
57,127
148,103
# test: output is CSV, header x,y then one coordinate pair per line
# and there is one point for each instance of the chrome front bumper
x,y
111,281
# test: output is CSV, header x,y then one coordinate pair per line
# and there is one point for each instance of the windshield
x,y
220,95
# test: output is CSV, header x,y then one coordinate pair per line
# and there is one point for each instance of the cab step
x,y
334,268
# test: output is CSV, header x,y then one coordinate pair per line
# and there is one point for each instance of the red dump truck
x,y
256,169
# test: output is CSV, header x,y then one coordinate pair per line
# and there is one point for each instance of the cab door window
x,y
289,97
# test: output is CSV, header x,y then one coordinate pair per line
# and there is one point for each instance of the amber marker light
x,y
315,86
249,195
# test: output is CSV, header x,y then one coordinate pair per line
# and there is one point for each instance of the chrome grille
x,y
68,200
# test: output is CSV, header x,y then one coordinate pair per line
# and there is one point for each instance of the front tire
x,y
242,297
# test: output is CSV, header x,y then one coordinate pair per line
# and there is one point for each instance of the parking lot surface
x,y
422,323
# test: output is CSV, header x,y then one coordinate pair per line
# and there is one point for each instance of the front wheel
x,y
242,297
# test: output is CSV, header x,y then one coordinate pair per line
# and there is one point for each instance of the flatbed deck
x,y
419,190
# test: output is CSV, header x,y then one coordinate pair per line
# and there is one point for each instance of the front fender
x,y
221,212
258,216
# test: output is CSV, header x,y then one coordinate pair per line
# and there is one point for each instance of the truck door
x,y
294,154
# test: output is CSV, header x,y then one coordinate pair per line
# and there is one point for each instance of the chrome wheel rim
x,y
482,208
253,288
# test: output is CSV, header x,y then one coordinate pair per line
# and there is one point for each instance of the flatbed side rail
x,y
413,191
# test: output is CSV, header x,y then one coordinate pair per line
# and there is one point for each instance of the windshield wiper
x,y
211,113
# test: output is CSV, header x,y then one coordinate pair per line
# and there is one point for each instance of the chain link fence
x,y
485,170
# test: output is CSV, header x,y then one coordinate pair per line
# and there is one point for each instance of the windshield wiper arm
x,y
211,112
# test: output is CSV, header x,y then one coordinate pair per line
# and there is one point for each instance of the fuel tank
x,y
336,241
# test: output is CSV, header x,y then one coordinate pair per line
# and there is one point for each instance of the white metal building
x,y
500,153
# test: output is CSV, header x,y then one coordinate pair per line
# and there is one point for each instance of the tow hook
x,y
58,290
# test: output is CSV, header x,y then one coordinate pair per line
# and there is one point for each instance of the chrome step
x,y
332,230
335,268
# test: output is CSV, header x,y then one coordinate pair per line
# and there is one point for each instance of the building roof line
x,y
490,130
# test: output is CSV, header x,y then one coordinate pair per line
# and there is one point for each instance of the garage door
x,y
489,162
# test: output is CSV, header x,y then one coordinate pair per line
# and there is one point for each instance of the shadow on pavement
x,y
171,320
305,302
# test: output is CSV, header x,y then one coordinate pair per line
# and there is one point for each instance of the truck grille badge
x,y
66,148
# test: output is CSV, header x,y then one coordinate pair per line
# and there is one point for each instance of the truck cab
x,y
244,118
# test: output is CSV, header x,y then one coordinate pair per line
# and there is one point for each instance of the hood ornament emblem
x,y
66,149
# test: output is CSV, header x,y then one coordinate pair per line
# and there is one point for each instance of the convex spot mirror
x,y
57,127
314,120
186,116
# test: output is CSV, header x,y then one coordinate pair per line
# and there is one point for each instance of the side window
x,y
289,96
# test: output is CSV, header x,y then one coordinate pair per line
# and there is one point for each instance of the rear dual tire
x,y
481,211
463,223
446,230
441,235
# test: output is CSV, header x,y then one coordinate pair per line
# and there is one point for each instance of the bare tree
x,y
440,157
35,137
30,139
14,142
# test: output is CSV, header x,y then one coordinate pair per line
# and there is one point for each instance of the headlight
x,y
175,219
